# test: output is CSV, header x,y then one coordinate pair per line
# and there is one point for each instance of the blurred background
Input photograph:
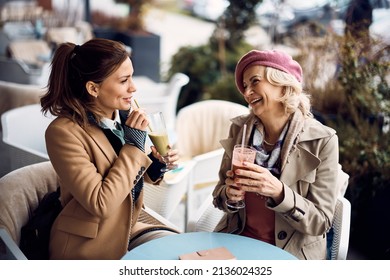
x,y
346,74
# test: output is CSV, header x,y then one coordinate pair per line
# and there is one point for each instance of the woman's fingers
x,y
137,119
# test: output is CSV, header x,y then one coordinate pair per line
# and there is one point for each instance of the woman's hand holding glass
x,y
254,178
170,159
241,154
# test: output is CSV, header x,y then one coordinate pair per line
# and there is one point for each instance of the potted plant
x,y
130,29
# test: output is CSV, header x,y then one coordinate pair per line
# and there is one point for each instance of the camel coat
x,y
99,216
309,175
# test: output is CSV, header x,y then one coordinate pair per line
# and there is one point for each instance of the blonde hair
x,y
294,97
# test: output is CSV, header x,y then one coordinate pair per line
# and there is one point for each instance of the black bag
x,y
34,240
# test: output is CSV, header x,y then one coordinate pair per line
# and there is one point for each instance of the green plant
x,y
211,66
202,65
353,100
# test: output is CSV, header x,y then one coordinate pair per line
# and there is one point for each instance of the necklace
x,y
268,143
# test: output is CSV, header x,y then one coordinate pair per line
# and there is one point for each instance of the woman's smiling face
x,y
261,95
116,91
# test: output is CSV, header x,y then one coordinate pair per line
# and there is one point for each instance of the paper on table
x,y
220,253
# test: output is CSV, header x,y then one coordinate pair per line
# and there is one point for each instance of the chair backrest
x,y
24,128
206,218
172,92
203,179
17,71
30,51
77,34
341,229
201,125
20,193
13,95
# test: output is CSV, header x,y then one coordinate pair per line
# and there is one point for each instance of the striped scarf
x,y
269,160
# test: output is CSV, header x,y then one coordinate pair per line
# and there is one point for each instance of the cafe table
x,y
172,246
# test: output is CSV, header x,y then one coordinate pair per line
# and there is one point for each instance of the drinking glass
x,y
241,153
159,136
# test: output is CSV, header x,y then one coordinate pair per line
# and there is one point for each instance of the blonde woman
x,y
290,191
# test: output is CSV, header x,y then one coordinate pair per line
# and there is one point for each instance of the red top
x,y
260,221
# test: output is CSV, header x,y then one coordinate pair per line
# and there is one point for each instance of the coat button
x,y
142,168
135,182
140,172
282,235
137,177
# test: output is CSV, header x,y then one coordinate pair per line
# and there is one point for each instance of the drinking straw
x,y
136,104
243,137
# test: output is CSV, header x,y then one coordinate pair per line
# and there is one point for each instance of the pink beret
x,y
275,59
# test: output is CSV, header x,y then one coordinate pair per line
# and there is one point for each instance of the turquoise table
x,y
170,247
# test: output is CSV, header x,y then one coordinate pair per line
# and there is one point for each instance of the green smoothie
x,y
160,141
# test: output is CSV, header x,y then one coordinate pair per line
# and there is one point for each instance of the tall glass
x,y
159,136
240,154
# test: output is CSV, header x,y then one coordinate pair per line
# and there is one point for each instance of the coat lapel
x,y
102,142
300,164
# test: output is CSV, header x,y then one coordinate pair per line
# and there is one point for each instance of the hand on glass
x,y
241,154
233,191
170,159
257,179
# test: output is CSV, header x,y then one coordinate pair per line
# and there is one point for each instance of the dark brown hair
x,y
71,68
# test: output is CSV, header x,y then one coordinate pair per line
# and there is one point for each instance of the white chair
x,y
341,229
13,95
162,96
24,131
17,71
175,84
206,217
20,193
166,197
203,179
200,127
